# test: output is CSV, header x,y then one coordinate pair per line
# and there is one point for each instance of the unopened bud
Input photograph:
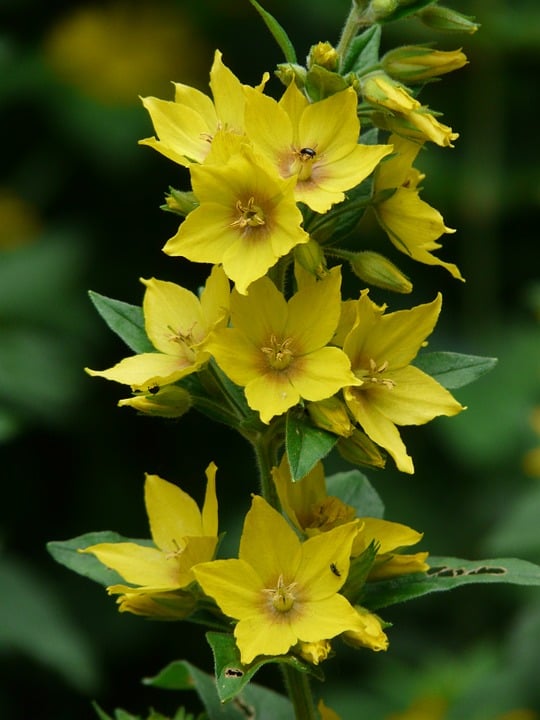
x,y
381,9
442,18
323,54
380,90
311,257
414,63
377,270
180,202
314,652
358,449
331,414
290,72
170,401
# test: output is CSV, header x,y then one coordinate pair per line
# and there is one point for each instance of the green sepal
x,y
305,444
339,222
454,370
126,320
66,552
358,572
447,573
278,33
353,488
404,11
181,675
118,714
363,53
321,83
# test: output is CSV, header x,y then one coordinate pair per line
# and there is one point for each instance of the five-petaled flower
x,y
277,350
178,324
393,392
316,143
279,589
183,536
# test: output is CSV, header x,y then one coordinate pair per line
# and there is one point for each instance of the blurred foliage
x,y
79,210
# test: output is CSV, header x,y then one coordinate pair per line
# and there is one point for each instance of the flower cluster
x,y
273,342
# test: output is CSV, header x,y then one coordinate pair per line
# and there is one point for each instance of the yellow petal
x,y
172,513
137,564
148,369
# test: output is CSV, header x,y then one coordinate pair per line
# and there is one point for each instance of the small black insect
x,y
308,152
233,672
333,568
153,390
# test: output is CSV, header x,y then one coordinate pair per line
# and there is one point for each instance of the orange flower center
x,y
278,353
250,215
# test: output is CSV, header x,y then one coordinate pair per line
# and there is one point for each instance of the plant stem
x,y
299,691
265,447
352,25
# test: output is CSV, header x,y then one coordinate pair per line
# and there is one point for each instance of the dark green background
x,y
72,462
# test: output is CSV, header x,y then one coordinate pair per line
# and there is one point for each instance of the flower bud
x,y
370,633
311,257
414,63
323,54
379,90
289,72
375,269
180,202
358,449
170,401
381,9
314,652
331,414
442,18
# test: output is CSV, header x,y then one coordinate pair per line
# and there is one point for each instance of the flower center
x,y
303,159
375,375
278,353
282,597
250,215
185,340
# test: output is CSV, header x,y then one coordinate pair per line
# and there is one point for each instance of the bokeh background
x,y
79,210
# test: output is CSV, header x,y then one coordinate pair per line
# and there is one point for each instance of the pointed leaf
x,y
232,676
354,488
125,320
66,553
363,52
454,370
278,33
446,574
305,444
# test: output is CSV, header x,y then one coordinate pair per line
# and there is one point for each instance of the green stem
x,y
353,24
299,691
265,445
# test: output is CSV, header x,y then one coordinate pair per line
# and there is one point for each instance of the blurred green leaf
x,y
126,320
305,444
454,370
518,531
363,52
447,573
34,621
66,552
353,488
278,33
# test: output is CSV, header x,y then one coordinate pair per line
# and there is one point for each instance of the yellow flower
x,y
393,392
416,63
247,219
281,590
309,507
183,536
316,143
371,635
277,350
380,91
412,225
178,324
186,126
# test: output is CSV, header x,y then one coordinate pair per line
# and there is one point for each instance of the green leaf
x,y
321,83
126,320
305,444
35,622
353,488
182,675
66,553
447,573
454,370
232,677
278,33
363,52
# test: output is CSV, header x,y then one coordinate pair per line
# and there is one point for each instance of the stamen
x,y
249,215
278,353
